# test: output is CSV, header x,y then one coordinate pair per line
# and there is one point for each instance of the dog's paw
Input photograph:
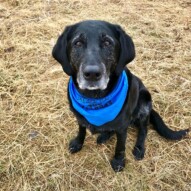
x,y
118,164
138,153
103,137
75,146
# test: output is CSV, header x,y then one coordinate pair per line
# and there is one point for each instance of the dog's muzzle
x,y
92,77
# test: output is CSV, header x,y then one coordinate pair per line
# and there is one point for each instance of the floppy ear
x,y
127,50
59,51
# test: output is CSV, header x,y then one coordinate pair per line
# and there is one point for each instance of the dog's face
x,y
92,51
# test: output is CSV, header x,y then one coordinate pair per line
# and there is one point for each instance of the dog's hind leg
x,y
141,115
139,149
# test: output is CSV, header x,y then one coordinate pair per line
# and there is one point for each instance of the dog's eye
x,y
78,43
107,43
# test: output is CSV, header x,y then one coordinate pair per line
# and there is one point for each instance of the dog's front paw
x,y
138,153
118,164
75,146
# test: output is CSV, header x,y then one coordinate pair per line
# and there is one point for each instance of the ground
x,y
36,124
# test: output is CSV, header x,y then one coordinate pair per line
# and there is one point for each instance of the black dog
x,y
94,54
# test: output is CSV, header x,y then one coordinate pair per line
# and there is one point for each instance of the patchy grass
x,y
36,124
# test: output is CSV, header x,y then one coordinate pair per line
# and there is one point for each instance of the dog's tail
x,y
163,130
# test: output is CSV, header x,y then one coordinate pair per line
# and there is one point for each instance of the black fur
x,y
60,50
127,53
137,109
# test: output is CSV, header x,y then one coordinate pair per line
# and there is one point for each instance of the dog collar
x,y
103,110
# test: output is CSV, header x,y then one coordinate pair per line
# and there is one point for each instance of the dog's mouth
x,y
93,85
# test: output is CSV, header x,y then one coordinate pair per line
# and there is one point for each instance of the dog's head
x,y
92,51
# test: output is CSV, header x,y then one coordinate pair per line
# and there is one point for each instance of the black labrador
x,y
95,53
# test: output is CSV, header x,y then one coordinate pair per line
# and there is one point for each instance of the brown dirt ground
x,y
36,124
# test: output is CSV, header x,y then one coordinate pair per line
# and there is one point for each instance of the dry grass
x,y
36,124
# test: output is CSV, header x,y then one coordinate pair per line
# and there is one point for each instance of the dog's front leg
x,y
77,143
118,162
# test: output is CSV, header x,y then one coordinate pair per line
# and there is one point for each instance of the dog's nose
x,y
92,73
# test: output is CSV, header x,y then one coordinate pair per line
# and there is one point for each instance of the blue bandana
x,y
103,110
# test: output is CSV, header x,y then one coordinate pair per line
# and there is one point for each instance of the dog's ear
x,y
59,51
127,50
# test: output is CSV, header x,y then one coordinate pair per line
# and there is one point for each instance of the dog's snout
x,y
92,73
